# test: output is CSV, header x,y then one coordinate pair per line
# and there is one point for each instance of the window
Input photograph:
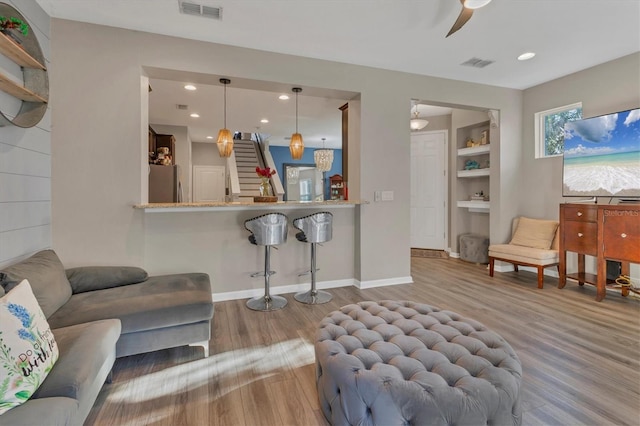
x,y
549,129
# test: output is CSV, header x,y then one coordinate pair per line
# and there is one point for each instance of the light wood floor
x,y
580,358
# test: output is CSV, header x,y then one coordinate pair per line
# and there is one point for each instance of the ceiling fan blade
x,y
465,15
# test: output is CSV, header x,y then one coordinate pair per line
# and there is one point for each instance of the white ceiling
x,y
407,35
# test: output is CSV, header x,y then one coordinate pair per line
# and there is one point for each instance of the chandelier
x,y
323,158
293,174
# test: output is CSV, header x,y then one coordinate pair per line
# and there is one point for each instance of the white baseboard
x,y
292,288
454,255
362,285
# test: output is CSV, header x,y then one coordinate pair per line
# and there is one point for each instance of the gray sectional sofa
x,y
98,314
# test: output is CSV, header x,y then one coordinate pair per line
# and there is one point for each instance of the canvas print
x,y
602,156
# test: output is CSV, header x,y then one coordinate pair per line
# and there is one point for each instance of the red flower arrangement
x,y
265,173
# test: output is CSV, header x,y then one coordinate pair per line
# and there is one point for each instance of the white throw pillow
x,y
28,349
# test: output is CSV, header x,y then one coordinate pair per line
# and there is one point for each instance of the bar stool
x,y
267,230
316,228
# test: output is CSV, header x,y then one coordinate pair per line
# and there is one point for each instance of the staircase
x,y
248,158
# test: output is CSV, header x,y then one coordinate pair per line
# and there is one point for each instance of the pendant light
x,y
297,145
225,139
417,123
323,158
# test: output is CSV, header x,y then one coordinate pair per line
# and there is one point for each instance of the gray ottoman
x,y
474,248
406,363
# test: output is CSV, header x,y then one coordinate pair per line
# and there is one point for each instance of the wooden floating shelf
x,y
19,91
475,150
17,54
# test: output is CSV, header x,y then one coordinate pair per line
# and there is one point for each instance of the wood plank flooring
x,y
580,358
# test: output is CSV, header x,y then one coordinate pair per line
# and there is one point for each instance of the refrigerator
x,y
164,184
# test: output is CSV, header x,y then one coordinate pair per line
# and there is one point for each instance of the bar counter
x,y
245,205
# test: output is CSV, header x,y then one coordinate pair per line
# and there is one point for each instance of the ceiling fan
x,y
468,6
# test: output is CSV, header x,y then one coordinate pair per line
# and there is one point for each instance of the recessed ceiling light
x,y
526,56
264,120
209,137
190,87
283,97
194,115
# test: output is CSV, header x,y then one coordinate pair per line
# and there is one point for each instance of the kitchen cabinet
x,y
166,141
337,187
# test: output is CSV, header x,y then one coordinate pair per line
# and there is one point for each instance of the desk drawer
x,y
581,237
581,213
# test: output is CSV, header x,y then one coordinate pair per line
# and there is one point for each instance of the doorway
x,y
429,190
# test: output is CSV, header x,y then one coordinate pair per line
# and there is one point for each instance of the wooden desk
x,y
606,232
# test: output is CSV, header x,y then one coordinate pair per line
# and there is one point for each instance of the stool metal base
x,y
312,297
266,304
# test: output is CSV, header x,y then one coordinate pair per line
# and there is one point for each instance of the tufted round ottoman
x,y
406,363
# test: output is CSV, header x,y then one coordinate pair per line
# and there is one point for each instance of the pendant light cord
x,y
225,105
296,112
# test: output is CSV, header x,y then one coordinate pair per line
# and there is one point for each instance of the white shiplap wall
x,y
25,162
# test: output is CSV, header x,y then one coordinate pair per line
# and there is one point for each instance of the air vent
x,y
182,106
477,63
190,8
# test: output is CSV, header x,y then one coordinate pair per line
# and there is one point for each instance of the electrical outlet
x,y
387,195
377,195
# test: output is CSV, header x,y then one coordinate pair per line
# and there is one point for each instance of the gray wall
x,y
206,154
610,87
25,162
106,229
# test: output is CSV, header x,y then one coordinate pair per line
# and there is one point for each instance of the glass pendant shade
x,y
476,4
296,146
418,123
225,143
225,138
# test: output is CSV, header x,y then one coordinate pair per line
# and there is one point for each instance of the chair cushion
x,y
47,278
534,233
84,349
524,254
28,349
160,301
89,278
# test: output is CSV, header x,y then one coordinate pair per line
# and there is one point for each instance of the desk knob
x,y
579,213
580,234
623,235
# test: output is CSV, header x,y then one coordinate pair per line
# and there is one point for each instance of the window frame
x,y
539,133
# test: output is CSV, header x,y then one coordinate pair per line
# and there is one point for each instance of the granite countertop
x,y
245,205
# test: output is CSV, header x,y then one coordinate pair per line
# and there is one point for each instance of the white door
x,y
429,190
208,183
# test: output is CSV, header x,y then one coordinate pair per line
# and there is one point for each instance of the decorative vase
x,y
265,187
